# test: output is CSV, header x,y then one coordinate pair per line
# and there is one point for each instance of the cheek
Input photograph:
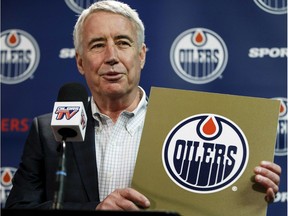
x,y
133,63
91,65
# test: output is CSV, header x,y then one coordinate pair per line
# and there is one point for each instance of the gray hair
x,y
110,6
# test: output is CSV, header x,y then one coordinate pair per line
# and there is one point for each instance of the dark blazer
x,y
34,181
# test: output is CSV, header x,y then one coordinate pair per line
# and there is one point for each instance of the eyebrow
x,y
124,37
118,37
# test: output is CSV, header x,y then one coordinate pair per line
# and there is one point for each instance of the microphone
x,y
69,119
68,123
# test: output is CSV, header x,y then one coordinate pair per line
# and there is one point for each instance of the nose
x,y
111,55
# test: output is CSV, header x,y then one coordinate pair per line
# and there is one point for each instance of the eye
x,y
123,44
98,47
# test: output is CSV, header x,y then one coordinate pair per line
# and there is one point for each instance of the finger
x,y
270,195
267,173
271,187
126,205
267,183
271,166
134,196
274,178
124,199
108,204
115,201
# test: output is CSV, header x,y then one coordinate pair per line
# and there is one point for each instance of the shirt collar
x,y
100,117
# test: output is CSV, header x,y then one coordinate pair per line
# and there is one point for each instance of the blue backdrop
x,y
234,47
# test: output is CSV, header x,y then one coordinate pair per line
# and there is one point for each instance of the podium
x,y
40,212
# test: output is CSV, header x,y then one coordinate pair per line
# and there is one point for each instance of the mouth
x,y
112,76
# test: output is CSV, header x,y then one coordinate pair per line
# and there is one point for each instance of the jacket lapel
x,y
86,159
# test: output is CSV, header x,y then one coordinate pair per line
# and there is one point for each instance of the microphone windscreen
x,y
73,92
69,119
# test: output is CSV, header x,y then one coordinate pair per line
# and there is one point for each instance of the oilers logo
x,y
79,6
277,7
198,55
20,56
281,140
7,174
205,153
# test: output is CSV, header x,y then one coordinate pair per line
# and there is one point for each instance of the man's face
x,y
111,60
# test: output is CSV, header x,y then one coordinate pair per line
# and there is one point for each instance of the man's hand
x,y
126,199
268,175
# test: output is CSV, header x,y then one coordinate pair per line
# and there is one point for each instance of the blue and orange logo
x,y
205,153
277,7
198,55
20,56
79,6
281,146
7,174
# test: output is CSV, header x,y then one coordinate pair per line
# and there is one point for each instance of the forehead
x,y
102,22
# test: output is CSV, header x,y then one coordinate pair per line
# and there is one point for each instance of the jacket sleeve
x,y
34,181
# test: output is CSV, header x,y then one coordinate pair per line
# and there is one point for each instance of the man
x,y
110,53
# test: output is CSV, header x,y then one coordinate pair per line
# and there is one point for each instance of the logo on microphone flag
x,y
69,115
205,153
66,111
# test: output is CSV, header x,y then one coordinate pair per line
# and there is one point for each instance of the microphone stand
x,y
60,178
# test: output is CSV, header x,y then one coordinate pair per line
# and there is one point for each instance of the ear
x,y
142,55
79,63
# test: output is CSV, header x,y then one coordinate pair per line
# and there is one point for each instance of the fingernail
x,y
269,199
147,203
258,178
258,169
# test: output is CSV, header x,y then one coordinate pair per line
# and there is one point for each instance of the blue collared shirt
x,y
117,146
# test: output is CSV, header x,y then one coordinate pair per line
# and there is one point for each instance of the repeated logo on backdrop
x,y
281,141
7,174
205,153
20,56
198,55
274,6
79,6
